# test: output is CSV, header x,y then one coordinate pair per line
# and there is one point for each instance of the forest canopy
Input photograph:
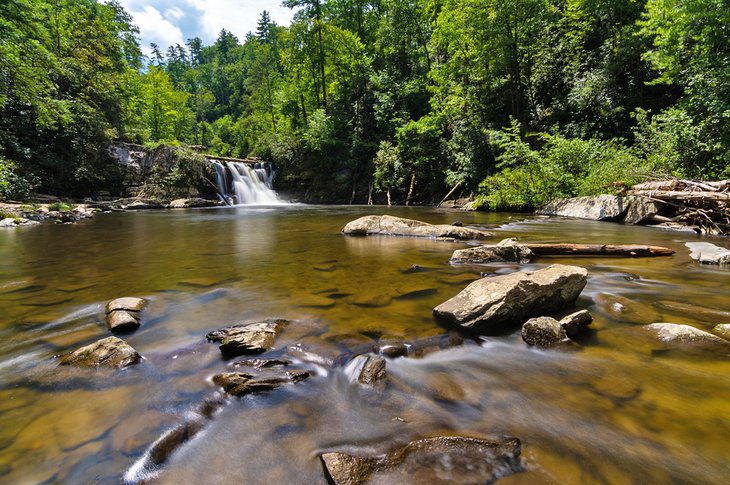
x,y
517,101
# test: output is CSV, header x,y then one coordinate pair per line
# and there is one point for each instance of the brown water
x,y
620,408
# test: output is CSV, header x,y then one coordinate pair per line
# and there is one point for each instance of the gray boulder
x,y
397,226
194,202
675,333
596,208
575,323
491,304
641,209
247,338
107,352
505,251
438,460
543,332
707,253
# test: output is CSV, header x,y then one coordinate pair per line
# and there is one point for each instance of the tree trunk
x,y
450,192
370,194
387,193
410,189
565,249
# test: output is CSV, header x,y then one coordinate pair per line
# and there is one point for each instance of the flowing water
x,y
246,183
617,408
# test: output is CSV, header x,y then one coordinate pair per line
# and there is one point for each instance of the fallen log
x,y
702,196
627,250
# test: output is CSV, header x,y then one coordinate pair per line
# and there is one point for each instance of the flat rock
x,y
543,332
491,304
122,321
10,222
506,251
641,209
596,208
707,253
262,363
194,202
675,333
128,303
373,370
247,338
107,352
240,383
439,460
575,323
397,226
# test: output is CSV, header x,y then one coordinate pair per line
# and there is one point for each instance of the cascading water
x,y
243,183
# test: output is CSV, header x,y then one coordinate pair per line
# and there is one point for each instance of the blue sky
x,y
167,22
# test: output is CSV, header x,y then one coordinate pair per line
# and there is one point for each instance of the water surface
x,y
618,408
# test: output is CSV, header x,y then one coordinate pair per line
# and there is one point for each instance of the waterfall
x,y
242,183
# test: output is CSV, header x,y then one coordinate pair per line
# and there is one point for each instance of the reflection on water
x,y
615,409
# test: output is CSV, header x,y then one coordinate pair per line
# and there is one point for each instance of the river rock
x,y
194,202
641,209
373,370
543,332
675,333
723,330
490,304
122,314
438,460
107,352
10,222
247,338
597,208
397,226
575,323
707,253
505,251
262,363
240,383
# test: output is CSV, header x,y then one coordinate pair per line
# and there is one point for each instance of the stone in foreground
x,y
543,332
439,460
373,370
239,383
397,226
492,304
707,253
575,323
505,251
675,333
108,352
122,314
596,208
247,338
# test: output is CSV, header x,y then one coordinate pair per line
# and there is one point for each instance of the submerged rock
x,y
707,253
439,460
641,209
675,333
575,323
505,251
543,332
397,226
490,304
107,352
240,383
122,314
17,222
723,330
262,363
247,338
596,208
373,370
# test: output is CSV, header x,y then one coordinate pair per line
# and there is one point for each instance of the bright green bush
x,y
60,206
13,186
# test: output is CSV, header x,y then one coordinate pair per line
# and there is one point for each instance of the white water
x,y
248,184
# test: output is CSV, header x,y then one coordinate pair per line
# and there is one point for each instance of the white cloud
x,y
237,16
155,28
174,13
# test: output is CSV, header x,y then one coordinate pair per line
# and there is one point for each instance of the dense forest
x,y
514,101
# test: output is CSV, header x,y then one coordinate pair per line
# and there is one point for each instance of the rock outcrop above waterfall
x,y
507,250
247,338
708,253
396,226
240,383
436,460
123,314
107,352
491,304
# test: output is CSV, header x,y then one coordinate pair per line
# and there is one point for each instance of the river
x,y
617,408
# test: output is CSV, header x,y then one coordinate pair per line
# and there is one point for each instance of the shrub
x,y
14,186
60,207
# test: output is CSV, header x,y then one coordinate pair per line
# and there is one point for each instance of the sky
x,y
168,22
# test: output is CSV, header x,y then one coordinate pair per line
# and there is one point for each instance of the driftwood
x,y
630,250
699,196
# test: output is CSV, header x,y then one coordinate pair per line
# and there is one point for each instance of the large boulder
x,y
505,251
707,253
675,333
397,226
491,304
107,352
596,208
641,209
122,314
247,338
438,460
